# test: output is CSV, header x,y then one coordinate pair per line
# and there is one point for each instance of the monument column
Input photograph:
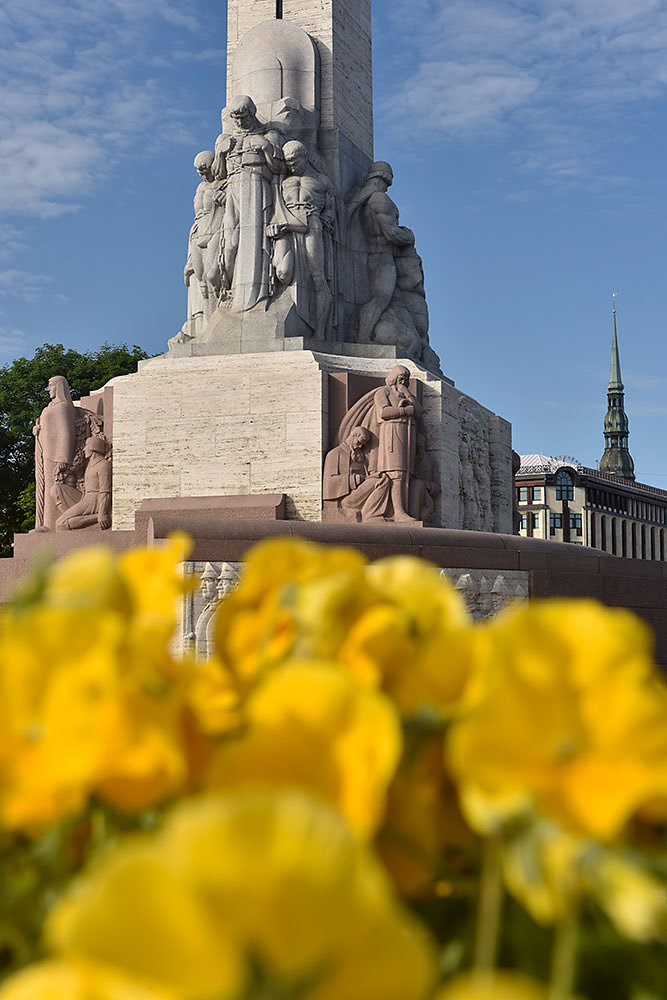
x,y
341,30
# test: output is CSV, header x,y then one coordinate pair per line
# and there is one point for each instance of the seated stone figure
x,y
358,495
94,507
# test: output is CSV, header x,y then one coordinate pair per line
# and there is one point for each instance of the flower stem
x,y
564,957
490,907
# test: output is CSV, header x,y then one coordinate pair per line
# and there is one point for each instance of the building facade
x,y
566,502
604,508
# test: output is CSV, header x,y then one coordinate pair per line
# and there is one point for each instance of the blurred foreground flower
x,y
493,986
246,890
311,727
395,625
572,722
89,693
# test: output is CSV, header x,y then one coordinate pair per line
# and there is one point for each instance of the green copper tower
x,y
616,458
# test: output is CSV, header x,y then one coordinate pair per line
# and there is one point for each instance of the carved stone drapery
x,y
72,464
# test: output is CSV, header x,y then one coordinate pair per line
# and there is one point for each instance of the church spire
x,y
616,458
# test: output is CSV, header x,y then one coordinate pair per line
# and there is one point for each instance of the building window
x,y
537,494
535,520
564,486
555,521
575,523
523,494
523,522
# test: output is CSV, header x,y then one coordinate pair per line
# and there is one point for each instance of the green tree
x,y
23,395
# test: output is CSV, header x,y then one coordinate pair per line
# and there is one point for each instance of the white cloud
x,y
551,74
23,284
75,90
11,341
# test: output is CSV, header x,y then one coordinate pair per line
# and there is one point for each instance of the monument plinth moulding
x,y
303,371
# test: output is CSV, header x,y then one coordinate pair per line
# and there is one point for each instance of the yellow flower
x,y
493,986
310,726
76,981
255,627
415,636
423,822
90,697
214,698
395,624
572,720
243,885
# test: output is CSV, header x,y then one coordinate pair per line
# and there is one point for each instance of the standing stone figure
x,y
301,230
203,261
424,486
397,412
384,238
55,447
94,507
249,159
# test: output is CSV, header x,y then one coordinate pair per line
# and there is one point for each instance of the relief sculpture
x,y
381,471
63,458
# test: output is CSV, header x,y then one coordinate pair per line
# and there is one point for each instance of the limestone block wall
x,y
219,426
228,425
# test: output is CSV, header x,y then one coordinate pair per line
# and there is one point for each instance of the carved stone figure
x,y
55,447
301,230
94,507
383,458
60,434
384,237
397,412
359,495
474,478
404,324
203,261
214,587
424,486
249,159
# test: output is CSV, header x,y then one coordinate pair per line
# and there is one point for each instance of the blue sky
x,y
528,142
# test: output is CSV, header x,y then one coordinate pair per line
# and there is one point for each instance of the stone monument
x,y
304,366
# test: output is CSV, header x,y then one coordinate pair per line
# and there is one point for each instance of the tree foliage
x,y
23,395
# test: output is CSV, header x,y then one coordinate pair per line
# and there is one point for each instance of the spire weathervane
x,y
616,458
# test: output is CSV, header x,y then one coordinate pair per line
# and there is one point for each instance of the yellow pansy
x,y
90,696
572,718
310,726
247,885
394,624
415,635
214,698
493,986
255,627
76,981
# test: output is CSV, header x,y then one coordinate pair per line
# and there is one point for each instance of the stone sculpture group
x,y
269,221
380,472
72,465
296,246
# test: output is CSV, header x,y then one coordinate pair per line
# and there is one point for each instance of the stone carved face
x,y
358,438
242,113
296,157
226,583
59,388
398,376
